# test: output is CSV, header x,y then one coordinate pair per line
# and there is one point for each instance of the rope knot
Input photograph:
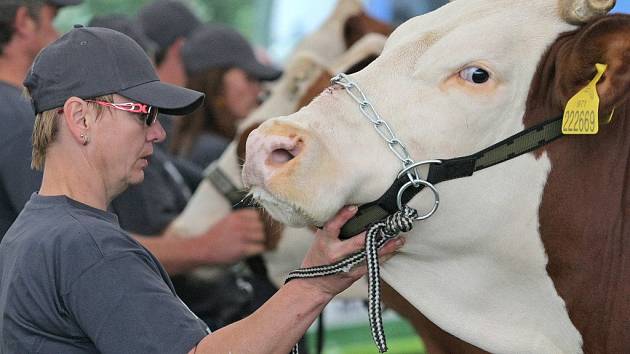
x,y
401,221
377,235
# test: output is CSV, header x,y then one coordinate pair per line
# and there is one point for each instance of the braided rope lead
x,y
377,235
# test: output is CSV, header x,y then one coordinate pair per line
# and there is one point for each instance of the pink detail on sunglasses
x,y
132,107
149,113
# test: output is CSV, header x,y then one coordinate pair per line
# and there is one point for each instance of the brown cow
x,y
527,256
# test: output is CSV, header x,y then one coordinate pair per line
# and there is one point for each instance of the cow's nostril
x,y
281,156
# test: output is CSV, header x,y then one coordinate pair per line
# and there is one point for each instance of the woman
x,y
71,280
220,63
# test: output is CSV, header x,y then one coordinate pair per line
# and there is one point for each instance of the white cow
x,y
451,83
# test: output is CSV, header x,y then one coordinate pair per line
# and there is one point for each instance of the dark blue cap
x,y
89,62
164,21
219,46
125,25
61,3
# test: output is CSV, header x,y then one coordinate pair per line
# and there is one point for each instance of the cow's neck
x,y
583,219
479,265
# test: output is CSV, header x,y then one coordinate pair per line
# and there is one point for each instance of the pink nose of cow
x,y
266,153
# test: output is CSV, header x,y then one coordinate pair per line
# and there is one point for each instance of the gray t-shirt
x,y
207,148
72,281
17,180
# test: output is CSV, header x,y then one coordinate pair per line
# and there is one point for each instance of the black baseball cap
x,y
125,25
62,3
57,3
164,21
219,46
89,62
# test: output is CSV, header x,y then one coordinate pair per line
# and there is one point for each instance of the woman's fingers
x,y
392,246
350,246
333,226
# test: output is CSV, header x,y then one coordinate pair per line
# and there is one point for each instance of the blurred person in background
x,y
168,23
147,209
221,63
123,24
26,26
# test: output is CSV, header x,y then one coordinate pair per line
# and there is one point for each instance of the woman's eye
x,y
475,75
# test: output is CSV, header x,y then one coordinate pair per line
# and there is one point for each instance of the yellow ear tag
x,y
581,115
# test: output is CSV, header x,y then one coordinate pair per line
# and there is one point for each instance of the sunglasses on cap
x,y
147,113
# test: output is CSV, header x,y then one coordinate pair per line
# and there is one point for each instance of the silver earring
x,y
85,139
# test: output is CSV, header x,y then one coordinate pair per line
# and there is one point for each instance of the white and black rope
x,y
377,235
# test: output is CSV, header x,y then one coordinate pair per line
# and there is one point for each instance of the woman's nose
x,y
156,132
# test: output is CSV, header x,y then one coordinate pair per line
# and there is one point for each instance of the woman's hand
x,y
328,248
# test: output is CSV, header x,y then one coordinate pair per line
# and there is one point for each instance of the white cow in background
x,y
328,40
451,83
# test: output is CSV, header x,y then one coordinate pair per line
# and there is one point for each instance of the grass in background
x,y
357,339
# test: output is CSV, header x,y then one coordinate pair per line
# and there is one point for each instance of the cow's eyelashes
x,y
475,74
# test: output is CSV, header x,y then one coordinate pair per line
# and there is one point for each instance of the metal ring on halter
x,y
413,166
436,203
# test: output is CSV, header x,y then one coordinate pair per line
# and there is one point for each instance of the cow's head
x,y
295,86
449,83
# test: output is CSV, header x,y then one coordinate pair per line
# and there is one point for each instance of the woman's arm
x,y
277,325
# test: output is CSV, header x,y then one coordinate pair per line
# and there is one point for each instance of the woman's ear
x,y
607,41
75,113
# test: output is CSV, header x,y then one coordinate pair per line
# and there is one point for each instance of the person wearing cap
x,y
71,280
26,26
221,63
124,24
168,23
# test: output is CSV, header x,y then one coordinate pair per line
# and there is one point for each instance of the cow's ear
x,y
359,25
605,40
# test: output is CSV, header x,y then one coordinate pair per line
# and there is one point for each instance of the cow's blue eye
x,y
475,75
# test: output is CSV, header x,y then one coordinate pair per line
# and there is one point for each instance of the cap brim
x,y
62,3
169,99
262,72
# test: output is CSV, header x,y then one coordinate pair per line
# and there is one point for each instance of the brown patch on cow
x,y
585,209
361,24
436,340
319,85
273,230
323,81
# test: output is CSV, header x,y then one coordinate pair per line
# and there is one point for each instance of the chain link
x,y
382,128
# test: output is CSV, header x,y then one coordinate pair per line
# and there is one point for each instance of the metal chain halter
x,y
409,165
381,231
382,128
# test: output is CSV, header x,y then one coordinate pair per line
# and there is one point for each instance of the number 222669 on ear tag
x,y
581,115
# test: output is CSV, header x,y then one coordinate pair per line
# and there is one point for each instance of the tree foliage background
x,y
250,17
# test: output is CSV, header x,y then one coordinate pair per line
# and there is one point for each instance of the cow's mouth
x,y
284,211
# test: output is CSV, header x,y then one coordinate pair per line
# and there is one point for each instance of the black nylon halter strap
x,y
237,197
520,143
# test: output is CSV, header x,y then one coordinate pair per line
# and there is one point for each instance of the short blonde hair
x,y
46,127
